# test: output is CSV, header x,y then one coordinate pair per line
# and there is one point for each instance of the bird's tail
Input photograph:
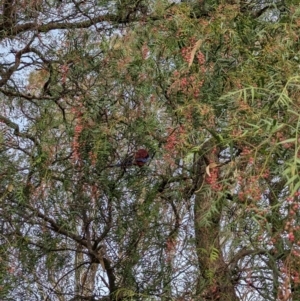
x,y
126,163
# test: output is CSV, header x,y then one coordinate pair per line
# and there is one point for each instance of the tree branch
x,y
16,129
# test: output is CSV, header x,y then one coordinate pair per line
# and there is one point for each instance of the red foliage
x,y
213,179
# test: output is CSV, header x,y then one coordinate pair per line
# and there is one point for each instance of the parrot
x,y
139,158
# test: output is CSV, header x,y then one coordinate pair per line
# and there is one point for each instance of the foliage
x,y
210,89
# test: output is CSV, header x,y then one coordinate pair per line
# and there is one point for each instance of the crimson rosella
x,y
139,158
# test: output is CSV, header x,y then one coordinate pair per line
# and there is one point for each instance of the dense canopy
x,y
208,91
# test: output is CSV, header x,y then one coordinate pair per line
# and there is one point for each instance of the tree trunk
x,y
214,281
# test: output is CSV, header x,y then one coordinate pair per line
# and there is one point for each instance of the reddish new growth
x,y
213,179
174,140
186,53
291,226
171,141
201,61
212,176
189,84
250,187
282,137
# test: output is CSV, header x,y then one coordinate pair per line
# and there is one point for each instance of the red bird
x,y
140,158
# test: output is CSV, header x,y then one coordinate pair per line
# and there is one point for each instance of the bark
x,y
215,281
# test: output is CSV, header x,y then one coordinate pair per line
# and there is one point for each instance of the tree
x,y
210,90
